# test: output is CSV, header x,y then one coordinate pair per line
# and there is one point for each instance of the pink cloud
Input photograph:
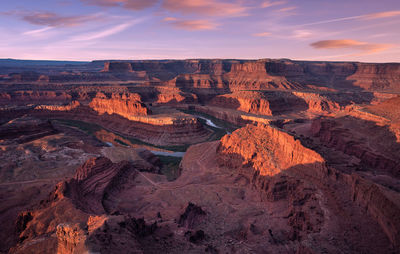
x,y
287,9
128,4
379,15
363,47
263,34
267,4
191,25
205,7
53,19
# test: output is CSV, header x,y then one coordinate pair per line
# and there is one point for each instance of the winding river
x,y
181,154
209,122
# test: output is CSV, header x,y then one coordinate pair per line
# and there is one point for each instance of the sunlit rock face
x,y
68,107
288,74
267,150
250,102
117,67
124,105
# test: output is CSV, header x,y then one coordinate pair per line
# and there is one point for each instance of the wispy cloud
x,y
128,4
287,9
45,18
105,33
361,47
267,4
191,25
376,15
203,7
37,32
380,15
302,34
263,34
206,7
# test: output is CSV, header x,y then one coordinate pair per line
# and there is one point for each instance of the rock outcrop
x,y
123,105
68,107
77,212
25,129
283,169
34,97
117,67
279,166
271,151
172,96
250,102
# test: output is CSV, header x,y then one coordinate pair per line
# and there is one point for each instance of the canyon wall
x,y
354,137
250,102
76,215
381,204
125,105
287,74
22,130
280,167
38,97
274,103
164,130
233,74
270,151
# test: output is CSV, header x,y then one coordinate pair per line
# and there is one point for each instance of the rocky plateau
x,y
200,156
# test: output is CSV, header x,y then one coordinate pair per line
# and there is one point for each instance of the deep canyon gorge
x,y
200,156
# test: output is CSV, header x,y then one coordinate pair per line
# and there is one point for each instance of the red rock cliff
x,y
124,105
265,149
250,102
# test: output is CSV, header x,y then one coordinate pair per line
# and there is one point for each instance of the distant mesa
x,y
117,67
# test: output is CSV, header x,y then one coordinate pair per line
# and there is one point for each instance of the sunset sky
x,y
334,30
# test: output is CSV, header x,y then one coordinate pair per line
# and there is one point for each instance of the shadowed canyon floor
x,y
200,156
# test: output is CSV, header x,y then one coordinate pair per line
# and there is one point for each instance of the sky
x,y
331,30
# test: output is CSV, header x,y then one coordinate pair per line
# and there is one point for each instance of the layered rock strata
x,y
281,167
124,105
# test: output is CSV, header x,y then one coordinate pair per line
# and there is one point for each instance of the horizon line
x,y
188,59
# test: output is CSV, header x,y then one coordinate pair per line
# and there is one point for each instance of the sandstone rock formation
x,y
287,74
68,107
250,102
26,129
282,167
354,137
314,168
235,74
274,145
124,105
76,202
39,97
117,67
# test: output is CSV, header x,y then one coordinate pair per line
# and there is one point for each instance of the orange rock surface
x,y
250,102
270,151
123,105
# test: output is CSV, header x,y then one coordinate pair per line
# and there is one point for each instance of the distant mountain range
x,y
18,63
